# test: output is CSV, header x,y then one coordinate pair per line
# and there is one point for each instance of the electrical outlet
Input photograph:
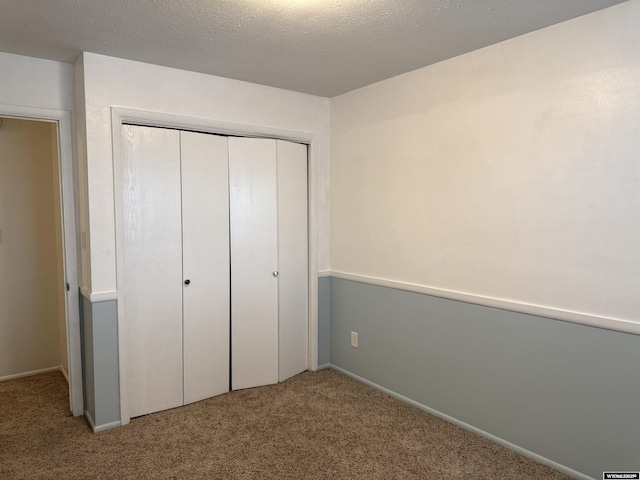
x,y
354,339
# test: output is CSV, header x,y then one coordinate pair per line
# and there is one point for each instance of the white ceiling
x,y
322,47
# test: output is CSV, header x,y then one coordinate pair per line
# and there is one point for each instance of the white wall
x,y
510,172
31,82
81,145
111,82
29,250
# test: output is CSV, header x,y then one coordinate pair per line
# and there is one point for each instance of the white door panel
x,y
205,228
254,247
153,267
229,215
293,259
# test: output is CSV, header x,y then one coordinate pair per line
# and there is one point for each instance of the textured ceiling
x,y
323,47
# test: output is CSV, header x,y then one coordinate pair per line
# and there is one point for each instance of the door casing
x,y
70,240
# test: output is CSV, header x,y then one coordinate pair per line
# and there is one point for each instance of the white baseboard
x,y
89,418
107,426
100,428
526,453
28,374
323,367
64,373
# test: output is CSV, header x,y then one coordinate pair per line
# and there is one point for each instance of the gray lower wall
x,y
324,321
567,392
86,327
100,362
100,354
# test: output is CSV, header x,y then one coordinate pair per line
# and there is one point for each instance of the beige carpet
x,y
316,425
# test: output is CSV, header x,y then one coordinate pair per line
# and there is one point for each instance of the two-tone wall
x,y
506,182
484,226
561,393
107,89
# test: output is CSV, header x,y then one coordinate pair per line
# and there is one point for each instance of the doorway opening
x,y
35,310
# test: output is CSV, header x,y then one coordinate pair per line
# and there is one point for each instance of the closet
x,y
216,264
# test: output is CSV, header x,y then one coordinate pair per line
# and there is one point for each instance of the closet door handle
x,y
275,274
187,281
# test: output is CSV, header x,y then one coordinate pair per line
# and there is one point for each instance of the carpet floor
x,y
316,425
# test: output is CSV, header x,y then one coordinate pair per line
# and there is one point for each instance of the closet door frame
x,y
120,116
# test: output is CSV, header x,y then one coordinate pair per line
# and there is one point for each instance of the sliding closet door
x,y
254,262
153,268
205,229
293,259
